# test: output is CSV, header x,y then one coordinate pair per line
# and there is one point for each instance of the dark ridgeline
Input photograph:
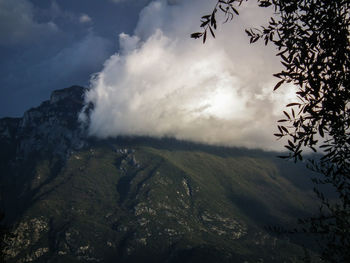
x,y
72,198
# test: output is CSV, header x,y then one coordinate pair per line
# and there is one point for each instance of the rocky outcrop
x,y
26,233
52,128
50,132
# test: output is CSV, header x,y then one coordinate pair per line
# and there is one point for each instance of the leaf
x,y
248,33
205,36
293,104
196,35
289,148
278,75
320,131
286,65
204,23
223,10
284,129
211,31
265,3
285,113
213,22
279,128
212,18
234,10
282,52
253,40
291,144
273,22
284,58
278,84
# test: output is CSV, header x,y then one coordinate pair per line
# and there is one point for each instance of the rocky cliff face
x,y
50,131
73,199
52,128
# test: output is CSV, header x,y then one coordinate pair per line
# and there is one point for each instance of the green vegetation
x,y
148,200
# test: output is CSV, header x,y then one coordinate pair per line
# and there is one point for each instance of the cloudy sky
x,y
47,45
146,75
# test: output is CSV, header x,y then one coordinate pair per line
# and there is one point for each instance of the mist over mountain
x,y
69,197
162,83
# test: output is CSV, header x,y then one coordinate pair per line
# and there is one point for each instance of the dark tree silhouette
x,y
313,41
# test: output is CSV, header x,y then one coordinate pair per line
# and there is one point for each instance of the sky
x,y
47,45
146,76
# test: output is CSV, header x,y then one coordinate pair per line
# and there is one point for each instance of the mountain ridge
x,y
72,198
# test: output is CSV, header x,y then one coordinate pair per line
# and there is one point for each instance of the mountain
x,y
73,198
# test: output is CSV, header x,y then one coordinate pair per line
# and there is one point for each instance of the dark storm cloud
x,y
47,45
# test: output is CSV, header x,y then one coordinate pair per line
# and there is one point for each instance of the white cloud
x,y
165,84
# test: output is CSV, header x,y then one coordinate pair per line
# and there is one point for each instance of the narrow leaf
x,y
293,104
234,10
278,84
320,131
211,31
285,113
284,129
248,33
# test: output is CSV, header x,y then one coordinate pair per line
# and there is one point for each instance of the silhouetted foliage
x,y
312,37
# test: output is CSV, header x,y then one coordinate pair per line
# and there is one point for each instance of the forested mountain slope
x,y
71,198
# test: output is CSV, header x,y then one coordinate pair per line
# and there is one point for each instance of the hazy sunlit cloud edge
x,y
163,84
